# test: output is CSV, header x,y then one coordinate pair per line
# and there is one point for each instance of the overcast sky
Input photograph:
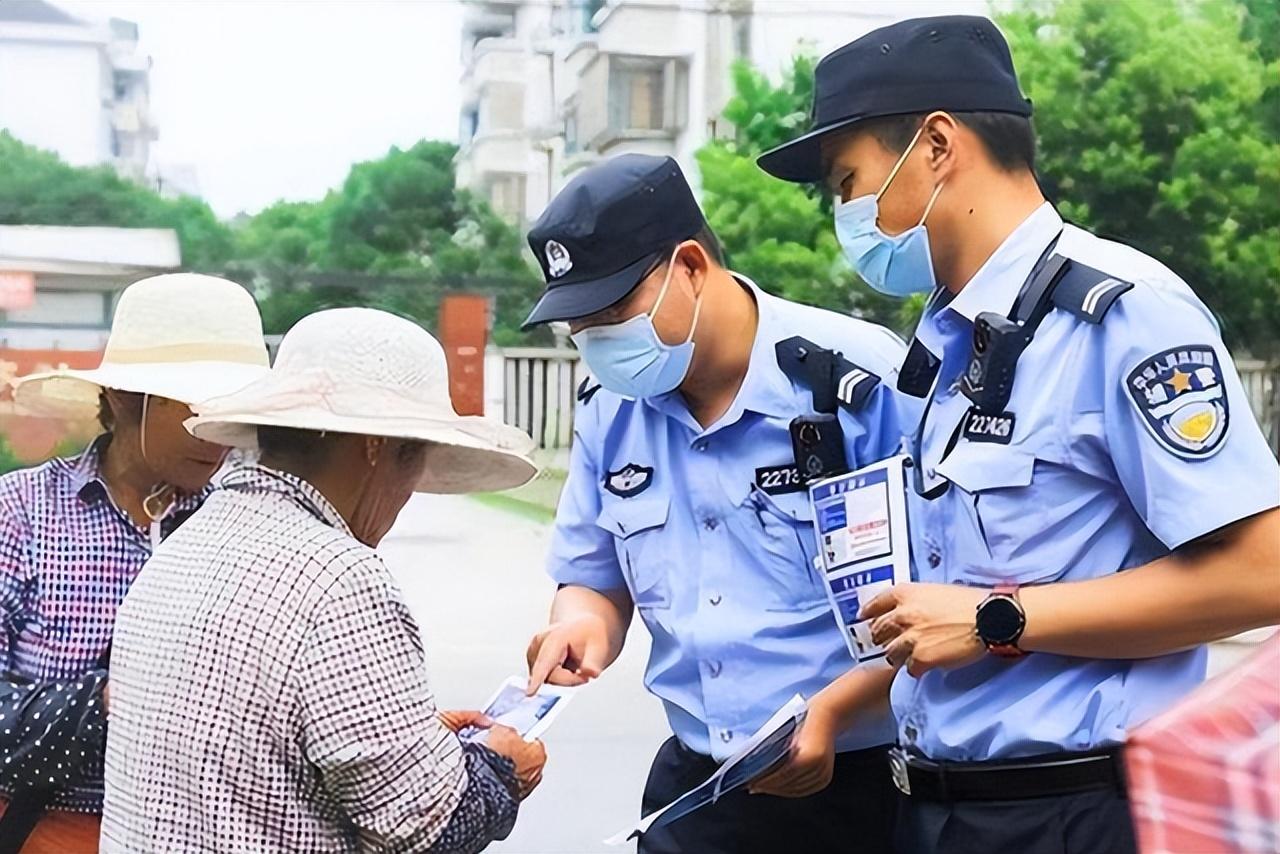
x,y
274,99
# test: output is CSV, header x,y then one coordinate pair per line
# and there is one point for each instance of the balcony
x,y
492,152
500,60
625,97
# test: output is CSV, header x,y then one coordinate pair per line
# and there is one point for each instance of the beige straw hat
x,y
182,336
370,373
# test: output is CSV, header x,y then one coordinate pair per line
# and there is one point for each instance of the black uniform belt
x,y
1003,780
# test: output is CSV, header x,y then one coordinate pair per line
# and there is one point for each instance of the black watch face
x,y
1000,621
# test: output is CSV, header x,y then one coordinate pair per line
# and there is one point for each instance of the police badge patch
x,y
1180,395
558,260
629,480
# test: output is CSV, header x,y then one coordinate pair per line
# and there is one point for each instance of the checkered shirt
x,y
269,693
67,558
1205,775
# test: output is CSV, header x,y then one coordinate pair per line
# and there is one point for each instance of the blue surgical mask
x,y
630,359
898,265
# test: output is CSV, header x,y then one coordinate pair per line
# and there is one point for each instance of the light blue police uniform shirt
x,y
722,573
1095,479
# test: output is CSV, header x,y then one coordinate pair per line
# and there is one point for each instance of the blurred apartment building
x,y
549,86
78,88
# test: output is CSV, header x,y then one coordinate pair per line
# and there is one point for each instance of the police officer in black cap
x,y
1081,416
684,503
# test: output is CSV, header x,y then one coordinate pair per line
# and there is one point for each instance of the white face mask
x,y
629,358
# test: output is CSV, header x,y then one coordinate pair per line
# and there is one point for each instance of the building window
x,y
645,94
572,142
741,36
635,96
63,308
624,96
506,196
470,120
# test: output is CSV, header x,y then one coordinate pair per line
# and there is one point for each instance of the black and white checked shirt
x,y
269,693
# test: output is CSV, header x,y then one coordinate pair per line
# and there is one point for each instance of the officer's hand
x,y
529,757
924,626
568,653
808,769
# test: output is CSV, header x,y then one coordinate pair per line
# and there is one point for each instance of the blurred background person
x,y
75,532
270,688
1205,775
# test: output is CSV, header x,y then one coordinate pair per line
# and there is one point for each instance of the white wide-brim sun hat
x,y
370,373
183,336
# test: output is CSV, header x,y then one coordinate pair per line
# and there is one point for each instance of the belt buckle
x,y
898,770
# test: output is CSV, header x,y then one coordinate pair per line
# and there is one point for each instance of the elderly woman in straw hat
x,y
75,532
269,688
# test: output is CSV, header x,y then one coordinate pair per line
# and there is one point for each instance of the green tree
x,y
764,114
1158,123
778,233
37,188
397,235
1150,131
394,212
294,234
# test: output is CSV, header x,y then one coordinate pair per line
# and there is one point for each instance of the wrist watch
x,y
1001,621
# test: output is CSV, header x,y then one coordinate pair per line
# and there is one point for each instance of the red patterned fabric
x,y
1204,777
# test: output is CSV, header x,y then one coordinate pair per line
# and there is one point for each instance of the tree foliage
x,y
1153,130
779,233
1158,123
37,188
397,235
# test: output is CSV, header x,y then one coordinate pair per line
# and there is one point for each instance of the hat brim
x,y
800,160
475,455
580,299
74,394
466,462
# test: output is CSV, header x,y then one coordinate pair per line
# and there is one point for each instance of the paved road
x,y
473,577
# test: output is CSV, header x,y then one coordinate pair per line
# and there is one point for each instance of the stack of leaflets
x,y
860,520
759,755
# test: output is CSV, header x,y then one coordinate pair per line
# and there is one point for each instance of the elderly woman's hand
x,y
528,756
457,721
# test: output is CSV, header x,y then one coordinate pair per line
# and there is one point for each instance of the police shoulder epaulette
x,y
1088,293
831,377
587,389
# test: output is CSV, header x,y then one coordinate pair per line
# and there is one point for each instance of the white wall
x,y
63,308
52,338
780,28
51,96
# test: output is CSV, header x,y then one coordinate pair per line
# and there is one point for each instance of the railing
x,y
1262,386
539,385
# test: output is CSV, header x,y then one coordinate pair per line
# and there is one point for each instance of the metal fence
x,y
539,385
1262,385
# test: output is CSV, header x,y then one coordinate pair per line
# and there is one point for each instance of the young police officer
x,y
1125,443
684,501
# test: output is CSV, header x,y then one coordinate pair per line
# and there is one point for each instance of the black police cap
x,y
958,63
606,230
